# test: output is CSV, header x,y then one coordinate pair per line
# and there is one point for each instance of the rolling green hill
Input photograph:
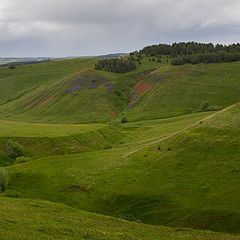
x,y
71,91
185,178
171,164
42,140
35,219
173,91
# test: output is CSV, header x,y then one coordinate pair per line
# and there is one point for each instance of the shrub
x,y
124,120
214,108
107,146
12,66
14,149
118,65
204,106
178,61
3,179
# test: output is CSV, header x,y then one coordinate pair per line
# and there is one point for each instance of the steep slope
x,y
43,140
15,83
186,179
83,97
172,91
71,91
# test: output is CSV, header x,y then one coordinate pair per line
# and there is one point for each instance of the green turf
x,y
21,129
181,90
72,92
191,181
42,140
35,219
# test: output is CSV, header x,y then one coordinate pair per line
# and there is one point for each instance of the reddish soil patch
x,y
141,88
46,101
113,114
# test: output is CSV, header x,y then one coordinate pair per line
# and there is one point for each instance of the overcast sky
x,y
91,27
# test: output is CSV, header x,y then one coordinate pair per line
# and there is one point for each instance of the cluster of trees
x,y
188,48
118,65
216,57
205,106
193,52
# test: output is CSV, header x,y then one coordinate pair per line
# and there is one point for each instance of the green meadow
x,y
55,221
171,171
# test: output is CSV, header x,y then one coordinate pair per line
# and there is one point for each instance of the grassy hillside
x,y
42,140
79,98
171,164
186,179
71,91
171,91
35,219
14,83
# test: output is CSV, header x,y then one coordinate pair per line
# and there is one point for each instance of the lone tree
x,y
204,106
3,180
14,149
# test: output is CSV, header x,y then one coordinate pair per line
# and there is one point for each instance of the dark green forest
x,y
117,65
178,53
193,52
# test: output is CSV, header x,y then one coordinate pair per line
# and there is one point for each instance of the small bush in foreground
x,y
3,179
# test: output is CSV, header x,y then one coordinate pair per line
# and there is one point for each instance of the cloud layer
x,y
91,27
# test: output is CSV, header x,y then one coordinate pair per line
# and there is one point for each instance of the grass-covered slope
x,y
15,83
71,91
186,179
171,91
83,97
42,140
35,219
170,164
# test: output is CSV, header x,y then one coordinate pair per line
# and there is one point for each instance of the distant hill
x,y
8,61
112,55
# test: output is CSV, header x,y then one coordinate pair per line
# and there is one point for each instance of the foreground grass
x,y
35,219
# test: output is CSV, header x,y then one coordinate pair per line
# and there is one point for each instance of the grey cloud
x,y
84,27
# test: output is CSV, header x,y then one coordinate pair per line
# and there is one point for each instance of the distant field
x,y
20,129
